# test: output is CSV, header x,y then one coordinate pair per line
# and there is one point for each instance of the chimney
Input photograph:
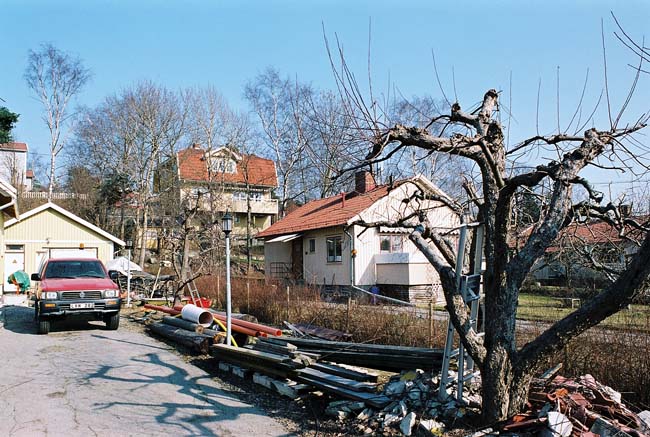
x,y
363,181
196,146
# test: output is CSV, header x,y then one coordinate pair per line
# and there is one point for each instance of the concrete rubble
x,y
414,407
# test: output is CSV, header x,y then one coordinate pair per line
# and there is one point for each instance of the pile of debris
x,y
581,406
413,400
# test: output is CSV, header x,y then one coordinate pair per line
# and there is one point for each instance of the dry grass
x,y
619,358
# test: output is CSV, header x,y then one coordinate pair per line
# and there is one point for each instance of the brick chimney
x,y
363,181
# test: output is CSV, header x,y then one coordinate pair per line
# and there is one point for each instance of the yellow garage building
x,y
50,231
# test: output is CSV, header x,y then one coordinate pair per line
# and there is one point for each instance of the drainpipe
x,y
353,254
12,203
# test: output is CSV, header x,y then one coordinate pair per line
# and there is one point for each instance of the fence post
x,y
248,297
347,323
287,303
431,322
218,290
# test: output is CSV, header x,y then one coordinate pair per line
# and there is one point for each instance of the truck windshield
x,y
74,269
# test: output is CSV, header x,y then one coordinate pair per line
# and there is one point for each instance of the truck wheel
x,y
112,322
43,326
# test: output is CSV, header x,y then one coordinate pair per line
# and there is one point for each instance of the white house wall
x,y
276,253
316,269
371,267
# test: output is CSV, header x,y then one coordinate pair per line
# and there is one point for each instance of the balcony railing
x,y
56,196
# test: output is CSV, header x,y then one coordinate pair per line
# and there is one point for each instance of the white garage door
x,y
74,252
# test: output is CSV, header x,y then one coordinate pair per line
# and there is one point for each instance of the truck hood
x,y
74,284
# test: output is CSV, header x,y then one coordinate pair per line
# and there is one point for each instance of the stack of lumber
x,y
264,362
287,363
374,356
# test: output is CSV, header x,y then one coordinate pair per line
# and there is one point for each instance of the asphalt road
x,y
82,380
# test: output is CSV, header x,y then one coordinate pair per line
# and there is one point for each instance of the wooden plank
x,y
382,361
345,373
307,344
373,399
339,381
249,353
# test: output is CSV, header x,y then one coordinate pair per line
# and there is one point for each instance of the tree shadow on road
x,y
206,404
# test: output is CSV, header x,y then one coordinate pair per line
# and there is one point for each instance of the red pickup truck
x,y
75,287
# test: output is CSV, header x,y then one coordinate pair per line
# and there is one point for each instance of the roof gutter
x,y
7,205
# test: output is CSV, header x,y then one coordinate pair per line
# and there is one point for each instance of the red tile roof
x,y
18,147
324,213
193,166
592,232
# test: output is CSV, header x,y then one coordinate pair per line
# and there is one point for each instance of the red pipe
x,y
176,310
241,329
243,323
251,325
167,310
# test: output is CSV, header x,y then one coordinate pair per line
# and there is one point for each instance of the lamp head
x,y
226,223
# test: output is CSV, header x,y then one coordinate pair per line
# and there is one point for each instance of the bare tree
x,y
276,102
130,134
55,78
478,137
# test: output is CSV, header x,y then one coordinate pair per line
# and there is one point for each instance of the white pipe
x,y
197,315
12,203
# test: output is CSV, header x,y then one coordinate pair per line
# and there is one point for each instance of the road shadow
x,y
20,319
181,417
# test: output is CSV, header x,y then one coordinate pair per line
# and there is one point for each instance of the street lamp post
x,y
129,246
226,226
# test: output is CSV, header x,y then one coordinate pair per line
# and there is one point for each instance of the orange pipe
x,y
241,329
167,310
251,325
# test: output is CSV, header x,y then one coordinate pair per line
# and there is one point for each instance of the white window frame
x,y
334,257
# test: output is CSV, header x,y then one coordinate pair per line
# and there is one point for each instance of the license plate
x,y
77,306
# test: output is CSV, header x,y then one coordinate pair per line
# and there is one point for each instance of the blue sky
x,y
226,43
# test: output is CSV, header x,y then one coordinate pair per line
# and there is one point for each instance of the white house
x,y
324,242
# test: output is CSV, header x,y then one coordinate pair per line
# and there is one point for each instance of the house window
x,y
391,244
334,246
222,165
312,245
239,195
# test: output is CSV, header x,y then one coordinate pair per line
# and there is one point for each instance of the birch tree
x,y
55,78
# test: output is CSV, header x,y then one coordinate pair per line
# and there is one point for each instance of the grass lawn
x,y
548,309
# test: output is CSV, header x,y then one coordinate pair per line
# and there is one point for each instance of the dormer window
x,y
224,165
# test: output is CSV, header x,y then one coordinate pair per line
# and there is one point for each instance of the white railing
x,y
55,196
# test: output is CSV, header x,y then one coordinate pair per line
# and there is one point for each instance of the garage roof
x,y
68,214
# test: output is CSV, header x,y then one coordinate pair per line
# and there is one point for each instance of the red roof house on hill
x,y
221,180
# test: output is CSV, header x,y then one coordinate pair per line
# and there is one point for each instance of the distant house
x,y
13,165
220,180
52,231
323,242
582,252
